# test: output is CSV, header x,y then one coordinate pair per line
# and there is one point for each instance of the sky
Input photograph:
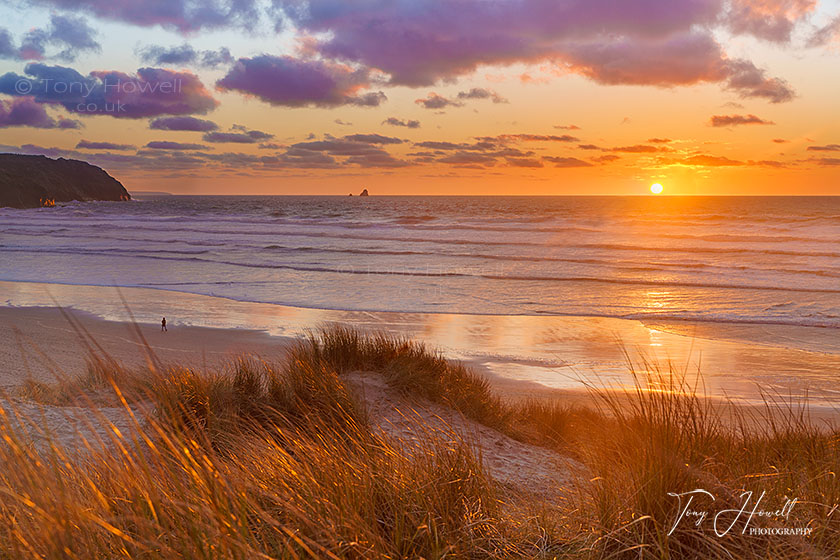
x,y
478,97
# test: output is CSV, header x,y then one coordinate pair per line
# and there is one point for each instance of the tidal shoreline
x,y
524,355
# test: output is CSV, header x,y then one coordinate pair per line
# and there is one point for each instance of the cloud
x,y
649,42
183,15
293,82
487,151
536,138
185,55
637,149
745,78
566,127
381,160
524,162
148,93
419,43
767,163
342,123
167,145
485,144
827,34
703,160
238,135
374,139
7,47
393,121
659,140
71,34
685,59
829,162
363,150
435,101
779,141
469,158
737,120
606,158
826,148
771,20
567,162
589,147
88,145
24,111
183,123
482,93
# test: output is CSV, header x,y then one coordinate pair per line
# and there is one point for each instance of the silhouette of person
x,y
163,325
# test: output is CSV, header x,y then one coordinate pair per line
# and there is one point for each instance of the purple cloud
x,y
826,148
191,124
7,47
394,121
293,82
684,59
166,145
649,42
148,93
435,101
88,145
823,36
183,15
24,111
536,138
239,135
421,42
71,34
185,55
374,139
771,20
363,150
482,93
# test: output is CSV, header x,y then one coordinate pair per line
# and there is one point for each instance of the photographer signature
x,y
721,523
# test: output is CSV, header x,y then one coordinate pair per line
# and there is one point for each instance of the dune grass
x,y
280,461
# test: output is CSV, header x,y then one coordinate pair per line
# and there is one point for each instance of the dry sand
x,y
519,466
39,343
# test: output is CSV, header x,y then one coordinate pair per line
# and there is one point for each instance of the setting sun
x,y
656,188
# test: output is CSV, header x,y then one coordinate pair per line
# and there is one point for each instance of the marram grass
x,y
280,461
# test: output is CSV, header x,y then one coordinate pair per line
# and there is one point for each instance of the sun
x,y
656,188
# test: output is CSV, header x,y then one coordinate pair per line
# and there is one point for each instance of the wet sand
x,y
521,355
40,343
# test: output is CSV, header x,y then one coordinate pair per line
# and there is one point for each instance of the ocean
x,y
757,260
741,293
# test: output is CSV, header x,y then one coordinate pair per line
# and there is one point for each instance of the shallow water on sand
x,y
559,352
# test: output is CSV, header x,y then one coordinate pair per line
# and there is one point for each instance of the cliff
x,y
33,181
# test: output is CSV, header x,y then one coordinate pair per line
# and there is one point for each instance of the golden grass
x,y
263,461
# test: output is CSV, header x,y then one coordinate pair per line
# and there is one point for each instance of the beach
x,y
541,357
41,344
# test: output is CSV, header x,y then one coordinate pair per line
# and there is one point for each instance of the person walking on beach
x,y
163,325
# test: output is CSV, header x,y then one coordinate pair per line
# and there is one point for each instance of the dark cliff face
x,y
33,181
